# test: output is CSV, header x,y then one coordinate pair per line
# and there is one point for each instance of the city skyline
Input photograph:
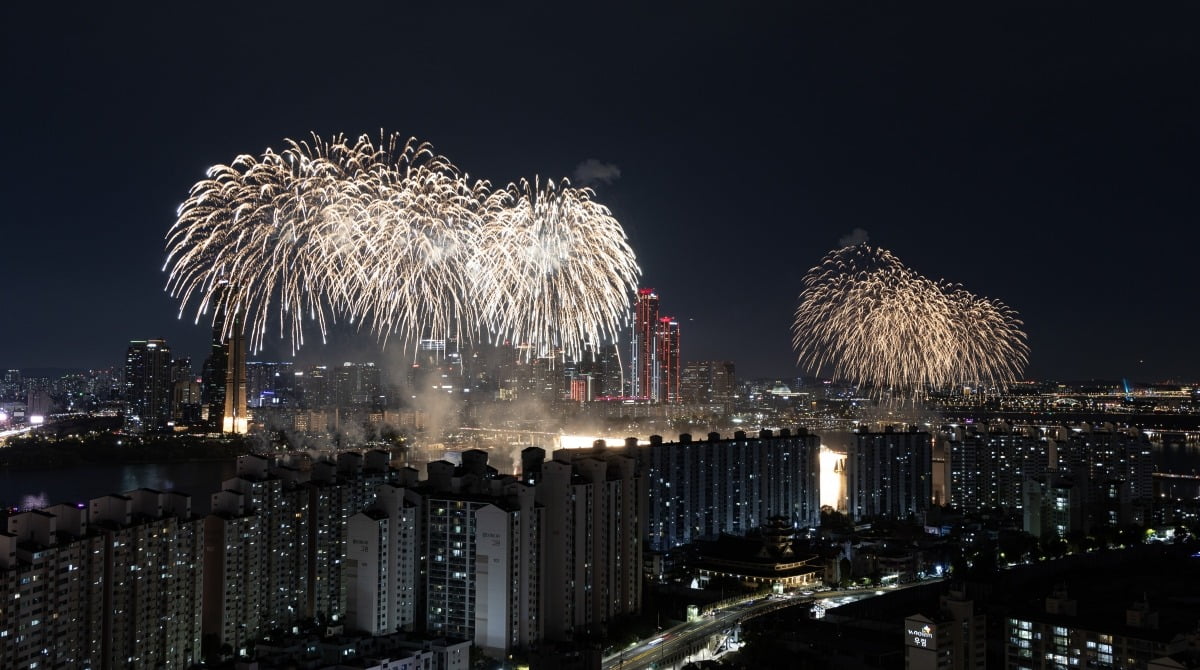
x,y
1042,159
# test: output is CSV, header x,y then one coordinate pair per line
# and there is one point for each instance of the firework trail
x,y
394,238
557,268
878,324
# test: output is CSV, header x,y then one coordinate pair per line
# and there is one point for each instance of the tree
x,y
1054,546
834,520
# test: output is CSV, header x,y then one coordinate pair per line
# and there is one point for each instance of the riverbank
x,y
37,452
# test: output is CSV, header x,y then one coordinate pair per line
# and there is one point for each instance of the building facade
x,y
700,489
382,561
953,638
889,474
1065,636
668,366
112,584
643,373
594,518
148,386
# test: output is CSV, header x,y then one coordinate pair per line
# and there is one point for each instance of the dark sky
x,y
1045,155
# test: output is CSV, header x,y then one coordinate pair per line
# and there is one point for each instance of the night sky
x,y
1044,155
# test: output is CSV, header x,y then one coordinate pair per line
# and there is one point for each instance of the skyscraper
x,y
147,386
270,384
181,368
358,385
314,387
613,373
707,382
212,389
642,359
236,417
655,363
667,349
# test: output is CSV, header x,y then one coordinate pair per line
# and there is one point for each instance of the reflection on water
x,y
34,489
1177,459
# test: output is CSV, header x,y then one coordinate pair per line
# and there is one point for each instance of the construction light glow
x,y
832,483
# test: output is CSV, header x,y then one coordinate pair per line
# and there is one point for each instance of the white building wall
x,y
494,583
367,568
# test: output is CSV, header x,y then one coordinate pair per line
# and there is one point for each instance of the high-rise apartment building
x,y
700,489
1117,468
256,552
987,466
148,387
371,574
1063,635
382,562
329,506
1105,472
1053,506
508,564
889,474
593,504
233,564
111,584
480,580
153,576
482,543
275,494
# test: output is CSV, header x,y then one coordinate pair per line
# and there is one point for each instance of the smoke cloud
x,y
592,172
856,236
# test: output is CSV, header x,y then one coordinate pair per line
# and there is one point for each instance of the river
x,y
41,488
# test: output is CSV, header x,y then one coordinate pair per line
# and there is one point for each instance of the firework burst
x,y
394,238
557,271
875,322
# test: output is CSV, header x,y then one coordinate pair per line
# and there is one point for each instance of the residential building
x,y
593,506
700,489
889,474
953,638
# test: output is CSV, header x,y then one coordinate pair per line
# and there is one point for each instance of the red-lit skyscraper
x,y
642,361
667,346
655,361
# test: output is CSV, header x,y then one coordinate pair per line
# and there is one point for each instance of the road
x,y
676,643
687,638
